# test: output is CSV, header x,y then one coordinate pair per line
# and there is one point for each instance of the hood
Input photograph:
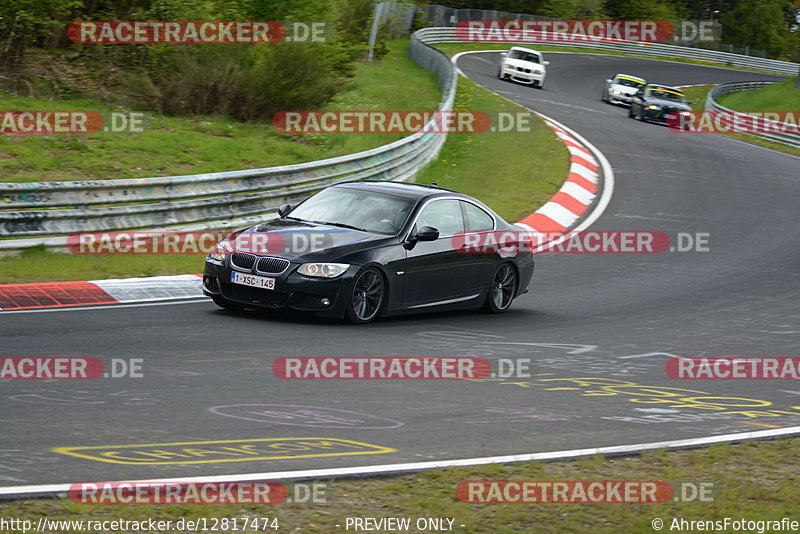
x,y
523,64
301,241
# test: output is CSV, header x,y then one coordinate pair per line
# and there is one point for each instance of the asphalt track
x,y
613,317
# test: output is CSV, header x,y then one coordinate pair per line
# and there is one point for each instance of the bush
x,y
245,82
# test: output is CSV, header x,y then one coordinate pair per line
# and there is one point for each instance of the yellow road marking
x,y
240,450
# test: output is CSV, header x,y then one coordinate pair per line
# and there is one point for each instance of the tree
x,y
644,9
23,22
758,25
574,9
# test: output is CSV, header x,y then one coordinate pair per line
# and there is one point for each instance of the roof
x,y
630,77
398,188
525,49
664,87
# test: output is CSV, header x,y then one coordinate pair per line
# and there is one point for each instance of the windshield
x,y
666,94
524,56
627,82
365,210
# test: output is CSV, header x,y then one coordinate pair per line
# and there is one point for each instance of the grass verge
x,y
202,144
781,96
750,481
514,173
37,264
774,101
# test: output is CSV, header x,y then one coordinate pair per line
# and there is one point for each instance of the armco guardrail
x,y
656,50
201,200
791,139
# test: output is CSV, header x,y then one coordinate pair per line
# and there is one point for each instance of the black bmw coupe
x,y
366,249
657,103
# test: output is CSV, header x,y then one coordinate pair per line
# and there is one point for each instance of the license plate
x,y
262,282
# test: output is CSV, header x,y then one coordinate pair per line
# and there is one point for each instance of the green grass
x,y
39,265
779,96
201,144
751,480
514,173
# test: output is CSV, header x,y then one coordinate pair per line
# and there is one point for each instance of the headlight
x,y
507,66
652,106
219,250
616,92
323,270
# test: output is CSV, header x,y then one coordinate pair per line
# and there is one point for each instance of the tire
x,y
367,297
227,304
501,292
630,113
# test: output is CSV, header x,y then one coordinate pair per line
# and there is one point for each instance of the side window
x,y
444,215
477,219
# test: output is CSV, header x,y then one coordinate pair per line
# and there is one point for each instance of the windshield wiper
x,y
341,225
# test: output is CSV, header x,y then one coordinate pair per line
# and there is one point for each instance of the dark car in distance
x,y
656,103
366,249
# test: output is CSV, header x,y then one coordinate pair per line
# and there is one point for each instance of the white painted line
x,y
419,466
162,302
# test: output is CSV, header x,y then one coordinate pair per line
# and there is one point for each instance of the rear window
x,y
477,219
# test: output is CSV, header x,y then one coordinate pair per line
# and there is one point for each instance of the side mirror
x,y
283,209
427,233
689,102
546,63
503,54
608,81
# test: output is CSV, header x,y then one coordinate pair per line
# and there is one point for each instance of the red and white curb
x,y
577,194
96,292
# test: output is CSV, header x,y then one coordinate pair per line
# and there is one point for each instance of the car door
x,y
436,272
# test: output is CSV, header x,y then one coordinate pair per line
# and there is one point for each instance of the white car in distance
x,y
523,65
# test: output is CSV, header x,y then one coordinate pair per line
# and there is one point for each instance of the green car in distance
x,y
656,103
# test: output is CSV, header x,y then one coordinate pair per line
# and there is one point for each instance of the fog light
x,y
325,302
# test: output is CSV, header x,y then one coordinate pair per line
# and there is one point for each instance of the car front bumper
x,y
621,98
659,115
522,76
292,290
